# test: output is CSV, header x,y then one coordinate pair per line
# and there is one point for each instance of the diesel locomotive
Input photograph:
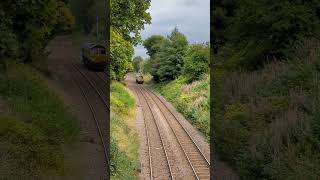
x,y
139,79
94,56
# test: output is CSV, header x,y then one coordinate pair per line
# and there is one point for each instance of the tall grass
x,y
190,99
124,138
268,123
35,126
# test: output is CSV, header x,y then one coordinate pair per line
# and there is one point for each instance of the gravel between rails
x,y
179,163
85,159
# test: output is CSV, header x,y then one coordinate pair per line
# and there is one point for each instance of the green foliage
x,y
85,18
267,122
167,55
153,44
124,138
121,52
36,126
8,43
196,61
248,33
137,63
190,99
121,99
25,92
28,152
90,15
65,19
129,17
30,26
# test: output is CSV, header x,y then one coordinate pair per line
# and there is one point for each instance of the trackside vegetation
x,y
269,118
34,125
124,137
191,99
27,27
128,18
266,87
180,72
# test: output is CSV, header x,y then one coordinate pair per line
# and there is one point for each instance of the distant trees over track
x,y
172,56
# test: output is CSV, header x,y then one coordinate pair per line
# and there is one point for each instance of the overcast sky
x,y
192,17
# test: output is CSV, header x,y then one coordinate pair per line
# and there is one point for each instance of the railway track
x,y
92,111
197,161
154,143
100,94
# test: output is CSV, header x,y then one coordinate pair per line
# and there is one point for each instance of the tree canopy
x,y
121,52
247,33
172,56
129,17
26,27
153,44
137,63
196,61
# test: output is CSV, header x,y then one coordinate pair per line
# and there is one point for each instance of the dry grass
x,y
280,111
245,84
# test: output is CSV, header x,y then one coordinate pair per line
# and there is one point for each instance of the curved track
x,y
156,142
76,77
198,162
92,86
182,154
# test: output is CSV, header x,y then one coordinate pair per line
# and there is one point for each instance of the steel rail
x,y
95,119
148,141
186,154
97,74
158,129
92,85
208,162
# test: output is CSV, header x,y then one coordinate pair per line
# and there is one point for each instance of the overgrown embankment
x,y
190,99
267,120
124,138
34,125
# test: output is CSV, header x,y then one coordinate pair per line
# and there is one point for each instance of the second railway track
x,y
100,122
196,159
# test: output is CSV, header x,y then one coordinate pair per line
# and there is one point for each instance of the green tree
x,y
30,26
166,55
137,63
128,17
248,33
121,52
153,44
171,56
85,16
196,61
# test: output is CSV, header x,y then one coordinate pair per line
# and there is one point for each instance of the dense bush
x,y
247,33
121,52
26,27
124,137
196,61
34,125
190,99
153,44
266,120
166,55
